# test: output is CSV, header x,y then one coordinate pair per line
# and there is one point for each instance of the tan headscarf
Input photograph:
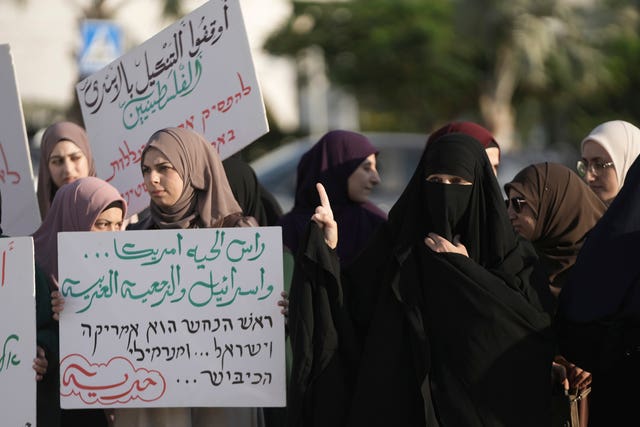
x,y
61,131
566,210
206,200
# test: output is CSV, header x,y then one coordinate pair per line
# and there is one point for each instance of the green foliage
x,y
401,58
413,64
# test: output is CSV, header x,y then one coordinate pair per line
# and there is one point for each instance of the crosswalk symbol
x,y
102,44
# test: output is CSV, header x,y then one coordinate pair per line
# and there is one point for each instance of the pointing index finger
x,y
324,199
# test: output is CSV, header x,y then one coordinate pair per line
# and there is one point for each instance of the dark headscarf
x,y
474,130
598,317
485,227
331,161
61,131
566,210
604,279
206,198
463,326
248,191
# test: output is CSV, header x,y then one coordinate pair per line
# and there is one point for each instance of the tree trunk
x,y
495,101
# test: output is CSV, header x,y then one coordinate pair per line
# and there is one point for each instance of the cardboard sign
x,y
172,318
198,74
17,332
20,213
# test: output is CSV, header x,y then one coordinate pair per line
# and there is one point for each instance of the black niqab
x,y
462,328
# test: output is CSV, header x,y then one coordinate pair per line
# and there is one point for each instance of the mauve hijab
x,y
566,210
206,198
621,140
474,130
331,161
61,131
75,207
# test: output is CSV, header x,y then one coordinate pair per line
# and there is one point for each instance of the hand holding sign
x,y
40,363
57,304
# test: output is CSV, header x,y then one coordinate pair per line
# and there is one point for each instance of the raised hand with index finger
x,y
323,216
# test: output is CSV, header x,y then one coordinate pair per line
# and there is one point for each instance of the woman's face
x,y
521,215
108,220
363,179
67,163
443,178
493,153
162,180
604,182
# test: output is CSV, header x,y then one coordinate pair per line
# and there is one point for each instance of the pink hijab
x,y
206,200
61,131
75,207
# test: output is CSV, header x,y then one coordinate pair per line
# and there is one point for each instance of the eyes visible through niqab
x,y
443,178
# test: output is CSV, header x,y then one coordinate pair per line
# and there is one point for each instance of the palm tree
x,y
531,45
413,63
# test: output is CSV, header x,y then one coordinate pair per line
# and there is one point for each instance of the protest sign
x,y
198,73
20,214
17,332
172,318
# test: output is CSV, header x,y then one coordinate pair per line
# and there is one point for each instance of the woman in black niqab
x,y
444,338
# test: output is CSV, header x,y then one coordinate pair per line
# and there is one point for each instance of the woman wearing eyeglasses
x,y
599,309
607,154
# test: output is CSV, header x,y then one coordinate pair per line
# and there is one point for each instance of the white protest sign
x,y
198,73
17,332
172,318
20,213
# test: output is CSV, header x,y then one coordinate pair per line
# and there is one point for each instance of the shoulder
x,y
143,224
239,220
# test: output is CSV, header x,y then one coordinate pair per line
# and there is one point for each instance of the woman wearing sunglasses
x,y
607,154
552,207
436,322
549,205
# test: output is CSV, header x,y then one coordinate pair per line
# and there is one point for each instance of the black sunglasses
x,y
517,203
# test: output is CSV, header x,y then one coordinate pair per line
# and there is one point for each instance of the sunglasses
x,y
517,203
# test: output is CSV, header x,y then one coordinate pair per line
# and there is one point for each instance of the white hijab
x,y
621,140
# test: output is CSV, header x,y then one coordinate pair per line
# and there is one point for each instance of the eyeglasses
x,y
595,168
517,203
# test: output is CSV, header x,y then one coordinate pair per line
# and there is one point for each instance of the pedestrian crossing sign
x,y
101,44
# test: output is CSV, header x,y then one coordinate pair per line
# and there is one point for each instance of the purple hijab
x,y
331,161
75,207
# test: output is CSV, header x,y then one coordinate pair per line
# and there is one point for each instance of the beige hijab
x,y
206,200
61,131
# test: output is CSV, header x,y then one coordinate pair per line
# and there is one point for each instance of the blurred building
x,y
45,39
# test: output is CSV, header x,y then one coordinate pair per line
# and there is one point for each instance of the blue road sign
x,y
101,44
